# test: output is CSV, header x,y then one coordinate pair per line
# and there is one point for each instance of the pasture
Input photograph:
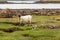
x,y
26,32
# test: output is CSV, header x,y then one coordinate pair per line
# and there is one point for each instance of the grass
x,y
32,34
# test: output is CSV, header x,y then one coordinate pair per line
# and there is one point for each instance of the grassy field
x,y
40,33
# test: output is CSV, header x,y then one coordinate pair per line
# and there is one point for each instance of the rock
x,y
52,26
34,27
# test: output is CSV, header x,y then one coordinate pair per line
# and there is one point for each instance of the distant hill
x,y
20,0
29,0
47,2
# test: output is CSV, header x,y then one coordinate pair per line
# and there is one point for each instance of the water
x,y
22,1
30,6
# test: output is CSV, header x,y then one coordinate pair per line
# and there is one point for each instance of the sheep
x,y
25,19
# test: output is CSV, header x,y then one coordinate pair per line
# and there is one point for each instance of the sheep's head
x,y
19,15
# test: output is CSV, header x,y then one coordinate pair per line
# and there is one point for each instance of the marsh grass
x,y
28,33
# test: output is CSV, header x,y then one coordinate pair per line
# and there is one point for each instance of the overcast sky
x,y
30,6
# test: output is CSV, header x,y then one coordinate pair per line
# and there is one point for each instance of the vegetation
x,y
25,32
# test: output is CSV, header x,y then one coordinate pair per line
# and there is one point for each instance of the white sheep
x,y
25,19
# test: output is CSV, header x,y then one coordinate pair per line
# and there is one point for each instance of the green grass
x,y
32,34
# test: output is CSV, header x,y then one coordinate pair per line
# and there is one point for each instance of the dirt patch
x,y
9,30
36,36
26,35
29,35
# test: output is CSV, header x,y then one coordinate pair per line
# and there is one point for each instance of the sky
x,y
30,6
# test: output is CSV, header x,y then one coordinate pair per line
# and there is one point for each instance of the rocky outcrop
x,y
9,13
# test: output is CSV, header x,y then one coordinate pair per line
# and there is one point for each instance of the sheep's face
x,y
19,15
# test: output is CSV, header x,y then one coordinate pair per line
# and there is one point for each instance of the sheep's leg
x,y
18,19
29,22
20,22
